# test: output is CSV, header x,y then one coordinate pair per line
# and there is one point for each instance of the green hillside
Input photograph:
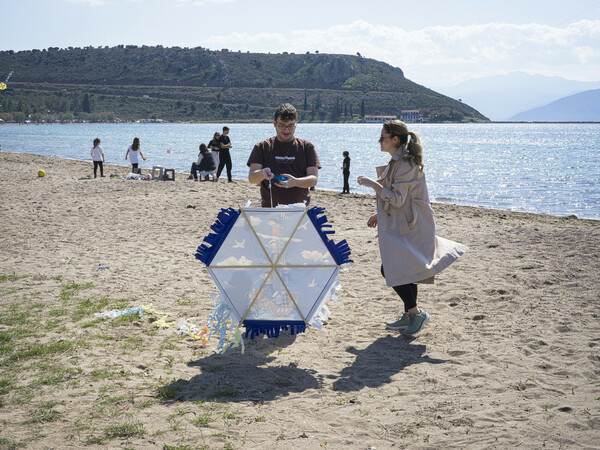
x,y
180,84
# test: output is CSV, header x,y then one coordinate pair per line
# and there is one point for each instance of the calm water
x,y
544,168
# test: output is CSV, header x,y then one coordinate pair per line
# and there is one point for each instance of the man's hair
x,y
285,112
225,128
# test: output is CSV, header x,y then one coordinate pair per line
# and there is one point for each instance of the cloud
x,y
202,2
446,55
89,2
233,261
315,256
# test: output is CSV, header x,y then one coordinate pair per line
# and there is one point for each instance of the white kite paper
x,y
275,267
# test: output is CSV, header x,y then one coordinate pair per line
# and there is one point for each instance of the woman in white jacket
x,y
410,251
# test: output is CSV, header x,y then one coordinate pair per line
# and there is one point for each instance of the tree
x,y
305,102
362,108
86,104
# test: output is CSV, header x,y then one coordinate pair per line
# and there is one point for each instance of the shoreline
x,y
149,170
509,357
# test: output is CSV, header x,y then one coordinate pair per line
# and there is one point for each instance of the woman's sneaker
x,y
416,322
400,322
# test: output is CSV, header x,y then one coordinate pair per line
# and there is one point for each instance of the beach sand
x,y
510,357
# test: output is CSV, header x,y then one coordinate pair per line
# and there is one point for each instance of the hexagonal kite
x,y
275,267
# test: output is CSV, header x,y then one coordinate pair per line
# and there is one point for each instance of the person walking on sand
x,y
98,157
133,152
215,146
286,155
346,172
224,155
410,251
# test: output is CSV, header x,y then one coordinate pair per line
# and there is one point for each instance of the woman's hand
x,y
372,222
366,181
370,183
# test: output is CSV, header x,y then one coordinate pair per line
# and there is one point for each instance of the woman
x,y
410,251
97,157
215,146
205,165
133,151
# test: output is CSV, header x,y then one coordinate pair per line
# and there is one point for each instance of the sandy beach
x,y
510,357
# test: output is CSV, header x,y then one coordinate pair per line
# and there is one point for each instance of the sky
x,y
437,43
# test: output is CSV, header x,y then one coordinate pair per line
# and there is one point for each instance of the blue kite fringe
x,y
272,327
225,221
341,250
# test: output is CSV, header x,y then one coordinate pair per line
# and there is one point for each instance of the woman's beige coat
x,y
410,250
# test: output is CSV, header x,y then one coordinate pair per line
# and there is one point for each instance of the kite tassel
x,y
255,328
341,250
225,221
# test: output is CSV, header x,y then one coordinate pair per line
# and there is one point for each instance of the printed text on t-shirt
x,y
285,159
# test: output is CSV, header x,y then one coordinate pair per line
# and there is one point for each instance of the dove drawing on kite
x,y
274,267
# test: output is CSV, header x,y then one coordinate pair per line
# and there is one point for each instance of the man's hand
x,y
267,173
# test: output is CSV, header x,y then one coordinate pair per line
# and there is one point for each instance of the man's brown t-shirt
x,y
292,157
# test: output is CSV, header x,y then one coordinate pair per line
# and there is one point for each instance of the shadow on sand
x,y
233,377
376,364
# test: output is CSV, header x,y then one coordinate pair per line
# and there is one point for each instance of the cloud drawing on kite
x,y
282,275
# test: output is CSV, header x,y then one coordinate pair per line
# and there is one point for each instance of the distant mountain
x,y
503,96
198,84
582,107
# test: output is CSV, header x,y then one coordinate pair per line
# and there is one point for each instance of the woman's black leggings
x,y
407,292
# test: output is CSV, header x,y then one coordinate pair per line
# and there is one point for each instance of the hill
x,y
130,82
501,97
582,107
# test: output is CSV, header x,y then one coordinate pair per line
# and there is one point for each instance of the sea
x,y
551,168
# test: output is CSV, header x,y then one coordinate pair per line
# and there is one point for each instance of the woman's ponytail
x,y
415,150
413,145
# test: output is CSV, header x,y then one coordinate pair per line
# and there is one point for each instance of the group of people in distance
x,y
134,152
214,161
286,168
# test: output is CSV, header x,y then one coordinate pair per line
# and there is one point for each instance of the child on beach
x,y
98,157
410,251
346,172
133,152
205,165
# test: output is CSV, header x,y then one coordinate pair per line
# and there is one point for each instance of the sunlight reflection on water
x,y
546,168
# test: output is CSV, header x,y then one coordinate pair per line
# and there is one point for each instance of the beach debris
x,y
101,267
2,86
140,310
137,176
274,267
188,328
41,173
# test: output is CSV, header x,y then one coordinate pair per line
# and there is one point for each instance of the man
x,y
224,156
286,155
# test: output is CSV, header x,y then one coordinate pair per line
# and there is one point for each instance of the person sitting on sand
x,y
133,152
205,165
98,157
287,155
410,251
